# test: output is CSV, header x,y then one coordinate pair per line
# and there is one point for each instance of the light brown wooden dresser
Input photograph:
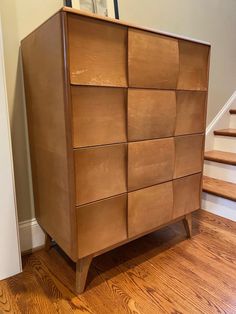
x,y
116,118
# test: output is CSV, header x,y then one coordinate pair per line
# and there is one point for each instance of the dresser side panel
x,y
47,105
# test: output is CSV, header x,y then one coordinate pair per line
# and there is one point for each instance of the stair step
x,y
220,156
220,188
226,132
232,111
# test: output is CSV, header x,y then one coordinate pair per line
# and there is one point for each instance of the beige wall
x,y
20,17
211,20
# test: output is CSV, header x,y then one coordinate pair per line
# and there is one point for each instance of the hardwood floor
x,y
160,273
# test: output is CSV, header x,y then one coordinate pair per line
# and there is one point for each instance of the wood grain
x,y
49,132
226,132
97,52
193,66
150,163
220,188
82,268
221,157
188,225
99,115
131,25
101,224
149,208
188,155
151,114
191,112
159,273
96,168
153,60
187,194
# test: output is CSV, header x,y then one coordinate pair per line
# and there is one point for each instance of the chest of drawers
x,y
116,119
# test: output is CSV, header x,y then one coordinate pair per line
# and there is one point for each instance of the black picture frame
x,y
116,8
68,3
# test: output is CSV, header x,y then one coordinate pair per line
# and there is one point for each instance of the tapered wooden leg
x,y
82,267
188,225
48,242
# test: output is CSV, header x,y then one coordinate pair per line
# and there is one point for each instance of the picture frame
x,y
101,7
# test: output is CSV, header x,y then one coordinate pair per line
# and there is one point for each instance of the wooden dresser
x,y
116,118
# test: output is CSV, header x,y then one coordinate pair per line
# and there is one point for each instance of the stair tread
x,y
232,111
220,188
226,132
221,156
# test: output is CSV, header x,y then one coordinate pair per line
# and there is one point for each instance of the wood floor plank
x,y
160,273
197,284
214,221
138,277
175,282
7,301
205,267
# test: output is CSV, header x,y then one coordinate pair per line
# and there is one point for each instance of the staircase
x,y
219,181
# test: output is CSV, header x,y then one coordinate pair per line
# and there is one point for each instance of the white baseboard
x,y
31,235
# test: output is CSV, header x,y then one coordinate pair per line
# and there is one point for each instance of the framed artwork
x,y
101,7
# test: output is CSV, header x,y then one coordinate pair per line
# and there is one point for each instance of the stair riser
x,y
225,143
219,206
232,124
220,171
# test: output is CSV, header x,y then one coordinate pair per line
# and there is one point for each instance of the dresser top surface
x,y
120,22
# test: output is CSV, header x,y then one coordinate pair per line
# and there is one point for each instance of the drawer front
x,y
150,162
101,224
153,60
100,172
99,115
188,155
187,193
191,112
149,208
193,66
151,114
97,52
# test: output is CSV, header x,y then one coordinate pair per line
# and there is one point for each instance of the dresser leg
x,y
82,267
48,242
188,224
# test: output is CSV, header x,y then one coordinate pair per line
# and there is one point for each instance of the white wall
x,y
213,21
10,262
19,18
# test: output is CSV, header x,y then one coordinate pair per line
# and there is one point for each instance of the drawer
x,y
149,208
193,66
151,114
150,162
153,60
99,115
100,172
97,52
187,193
188,155
101,224
191,112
